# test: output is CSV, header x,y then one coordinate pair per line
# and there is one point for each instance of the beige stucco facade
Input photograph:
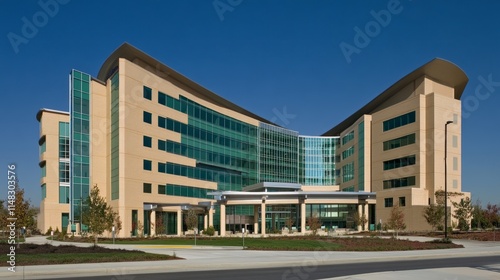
x,y
51,209
432,92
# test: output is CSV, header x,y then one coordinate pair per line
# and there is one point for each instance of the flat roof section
x,y
41,111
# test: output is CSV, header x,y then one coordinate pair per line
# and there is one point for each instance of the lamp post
x,y
446,179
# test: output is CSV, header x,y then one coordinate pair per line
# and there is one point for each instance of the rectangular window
x,y
455,163
146,165
347,153
146,116
399,183
348,137
455,184
44,191
399,142
399,162
455,118
161,189
388,202
146,188
455,141
348,172
63,194
399,121
402,201
44,171
43,147
147,141
147,92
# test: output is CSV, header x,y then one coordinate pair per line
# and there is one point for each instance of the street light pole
x,y
446,179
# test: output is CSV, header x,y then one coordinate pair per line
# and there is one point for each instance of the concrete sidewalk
x,y
217,258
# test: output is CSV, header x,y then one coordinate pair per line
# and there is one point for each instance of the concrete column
x,y
152,222
263,218
302,217
222,220
255,218
211,217
205,220
365,211
179,222
360,213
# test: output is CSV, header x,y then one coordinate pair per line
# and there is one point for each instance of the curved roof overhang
x,y
439,70
131,53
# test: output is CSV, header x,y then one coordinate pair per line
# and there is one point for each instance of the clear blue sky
x,y
266,56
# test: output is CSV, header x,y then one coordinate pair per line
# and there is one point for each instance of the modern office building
x,y
157,144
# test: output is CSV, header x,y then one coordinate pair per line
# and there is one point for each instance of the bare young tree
x,y
314,223
397,219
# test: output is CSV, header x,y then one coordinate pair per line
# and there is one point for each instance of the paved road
x,y
209,259
420,269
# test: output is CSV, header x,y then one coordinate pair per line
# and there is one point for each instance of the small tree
x,y
98,215
463,213
397,219
191,219
478,218
314,223
289,223
491,214
359,220
434,215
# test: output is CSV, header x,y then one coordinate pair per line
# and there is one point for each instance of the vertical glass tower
x,y
79,142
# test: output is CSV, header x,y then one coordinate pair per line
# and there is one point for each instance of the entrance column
x,y
205,220
211,217
360,214
222,220
152,222
263,217
365,211
303,217
179,222
256,219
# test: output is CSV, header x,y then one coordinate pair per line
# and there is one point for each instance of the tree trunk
x,y
95,240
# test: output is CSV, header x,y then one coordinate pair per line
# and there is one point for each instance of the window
x,y
347,153
147,141
399,162
147,117
399,121
44,191
63,194
147,92
388,202
44,171
455,163
399,142
455,118
399,183
43,147
146,188
455,141
146,165
348,172
455,184
402,201
348,137
161,189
